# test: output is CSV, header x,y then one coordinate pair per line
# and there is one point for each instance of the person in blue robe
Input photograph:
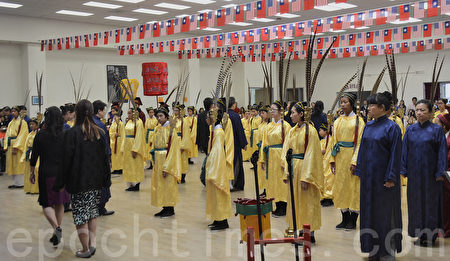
x,y
424,163
378,167
240,143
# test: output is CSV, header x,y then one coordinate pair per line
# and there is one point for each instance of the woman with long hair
x,y
307,169
85,170
347,132
378,168
48,148
270,158
424,163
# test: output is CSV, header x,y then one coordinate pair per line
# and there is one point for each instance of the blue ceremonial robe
x,y
106,192
240,141
379,161
424,159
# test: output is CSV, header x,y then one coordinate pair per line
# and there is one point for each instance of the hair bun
x,y
388,95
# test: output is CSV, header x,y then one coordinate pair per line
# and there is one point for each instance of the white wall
x,y
11,89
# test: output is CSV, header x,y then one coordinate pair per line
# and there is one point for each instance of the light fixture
x,y
204,11
288,37
410,20
172,6
240,24
149,11
151,22
68,12
182,15
331,7
202,2
263,20
359,28
120,18
131,1
228,5
337,31
287,15
102,5
211,29
9,5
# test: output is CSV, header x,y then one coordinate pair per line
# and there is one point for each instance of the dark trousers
x,y
2,161
106,195
238,182
446,207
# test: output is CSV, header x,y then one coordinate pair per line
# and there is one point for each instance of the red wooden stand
x,y
306,240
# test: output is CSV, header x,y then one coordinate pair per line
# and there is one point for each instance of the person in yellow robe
x,y
166,157
218,198
327,196
30,188
133,149
229,140
246,154
346,186
15,138
191,121
116,140
255,121
182,129
442,109
307,169
270,158
265,119
150,124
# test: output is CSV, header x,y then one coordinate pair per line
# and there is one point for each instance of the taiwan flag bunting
x,y
419,10
129,34
295,6
185,22
265,34
447,27
351,39
271,8
281,31
337,23
369,37
381,16
360,51
308,4
250,11
202,21
438,44
249,36
68,41
405,47
86,40
387,35
427,30
95,39
261,9
284,6
373,50
432,9
299,29
404,12
59,44
406,33
420,46
170,27
358,20
220,17
239,16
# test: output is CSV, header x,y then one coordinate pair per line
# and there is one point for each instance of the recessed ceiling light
x,y
241,24
202,2
331,7
172,6
102,5
263,20
9,5
182,15
288,37
151,22
411,20
287,15
228,6
337,31
204,11
150,11
68,12
344,5
120,18
359,28
131,1
211,29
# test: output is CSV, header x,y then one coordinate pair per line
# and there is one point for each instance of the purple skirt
x,y
48,197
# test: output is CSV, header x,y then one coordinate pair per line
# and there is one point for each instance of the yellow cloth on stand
x,y
150,124
28,187
191,122
246,154
15,138
328,175
133,168
165,189
346,186
218,198
272,136
309,170
116,152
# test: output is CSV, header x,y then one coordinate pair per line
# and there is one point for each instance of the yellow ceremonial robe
x,y
246,154
261,173
218,198
309,170
253,139
438,112
165,189
182,131
71,123
398,120
150,124
192,123
328,175
116,144
270,154
15,138
133,168
26,156
346,186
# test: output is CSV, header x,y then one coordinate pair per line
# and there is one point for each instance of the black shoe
x,y
160,213
183,178
213,224
345,220
136,187
281,209
313,239
67,210
252,168
220,225
351,225
108,212
168,213
190,162
52,239
235,189
326,202
58,236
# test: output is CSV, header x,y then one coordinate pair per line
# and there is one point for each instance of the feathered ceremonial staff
x,y
435,79
294,88
267,81
401,111
79,91
377,83
40,116
224,73
198,96
390,63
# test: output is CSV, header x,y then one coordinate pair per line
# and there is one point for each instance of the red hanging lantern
x,y
155,78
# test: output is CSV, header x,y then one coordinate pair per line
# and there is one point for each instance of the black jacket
x,y
85,164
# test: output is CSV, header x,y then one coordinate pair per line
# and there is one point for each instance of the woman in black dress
x,y
84,172
48,147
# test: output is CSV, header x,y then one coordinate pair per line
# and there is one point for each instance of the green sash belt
x,y
251,137
147,134
259,145
297,156
339,144
28,154
152,152
9,140
266,151
129,136
179,134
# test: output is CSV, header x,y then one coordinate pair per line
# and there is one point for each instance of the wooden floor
x,y
133,233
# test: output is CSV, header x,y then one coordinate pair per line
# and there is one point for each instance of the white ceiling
x,y
47,9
